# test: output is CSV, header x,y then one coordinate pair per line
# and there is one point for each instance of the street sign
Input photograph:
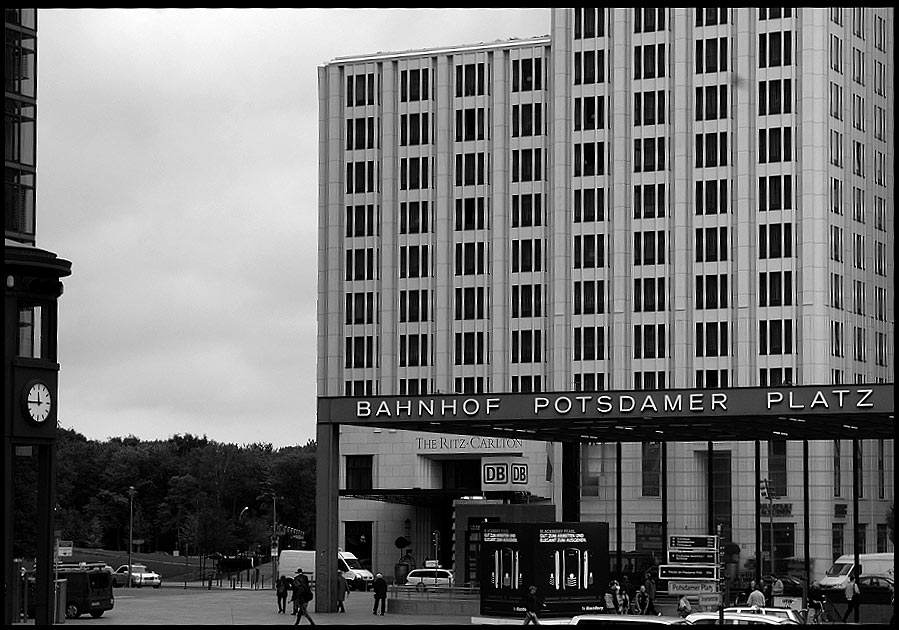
x,y
65,549
692,542
691,588
692,556
688,572
710,599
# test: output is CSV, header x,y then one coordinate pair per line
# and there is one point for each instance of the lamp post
x,y
274,539
131,493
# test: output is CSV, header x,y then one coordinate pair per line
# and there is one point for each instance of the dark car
x,y
875,589
792,584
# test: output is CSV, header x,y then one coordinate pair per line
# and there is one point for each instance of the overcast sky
x,y
177,170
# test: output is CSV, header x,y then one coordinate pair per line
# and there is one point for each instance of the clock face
x,y
38,402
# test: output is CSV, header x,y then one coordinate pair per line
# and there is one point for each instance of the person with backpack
x,y
281,593
302,595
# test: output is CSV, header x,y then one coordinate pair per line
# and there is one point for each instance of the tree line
x,y
190,494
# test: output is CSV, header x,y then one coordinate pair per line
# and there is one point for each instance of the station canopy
x,y
809,412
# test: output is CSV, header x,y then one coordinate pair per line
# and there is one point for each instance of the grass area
x,y
172,568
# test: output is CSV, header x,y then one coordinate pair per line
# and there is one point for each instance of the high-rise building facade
x,y
645,199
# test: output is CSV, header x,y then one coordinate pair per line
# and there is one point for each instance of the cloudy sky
x,y
177,170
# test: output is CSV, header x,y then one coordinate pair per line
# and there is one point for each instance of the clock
x,y
38,401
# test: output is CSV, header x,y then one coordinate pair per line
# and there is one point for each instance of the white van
x,y
291,560
358,577
837,575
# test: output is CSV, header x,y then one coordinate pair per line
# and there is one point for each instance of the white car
x,y
426,578
786,613
613,620
737,619
140,576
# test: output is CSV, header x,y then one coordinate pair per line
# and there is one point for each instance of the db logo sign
x,y
502,473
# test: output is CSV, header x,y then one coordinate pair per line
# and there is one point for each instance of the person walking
x,y
853,598
281,594
650,584
343,591
303,595
642,601
756,598
379,586
684,607
532,604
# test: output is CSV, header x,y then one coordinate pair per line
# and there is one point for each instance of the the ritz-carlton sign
x,y
671,403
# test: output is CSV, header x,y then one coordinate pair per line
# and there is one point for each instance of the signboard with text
x,y
567,562
692,542
688,572
691,556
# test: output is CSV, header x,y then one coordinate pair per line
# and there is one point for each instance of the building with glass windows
x,y
643,200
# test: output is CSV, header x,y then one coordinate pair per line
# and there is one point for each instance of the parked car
x,y
876,589
140,576
426,578
614,620
792,584
786,613
735,618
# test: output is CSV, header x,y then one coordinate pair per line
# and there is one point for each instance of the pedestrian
x,y
294,586
532,604
642,600
756,597
379,586
623,601
281,593
853,598
608,600
749,590
684,607
343,591
303,595
650,585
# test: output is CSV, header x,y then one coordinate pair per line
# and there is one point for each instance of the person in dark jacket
x,y
343,591
532,604
281,592
379,586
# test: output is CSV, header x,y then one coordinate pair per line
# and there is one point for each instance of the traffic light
x,y
763,488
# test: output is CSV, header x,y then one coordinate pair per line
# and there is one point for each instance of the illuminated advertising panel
x,y
567,562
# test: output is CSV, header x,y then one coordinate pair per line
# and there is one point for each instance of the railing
x,y
423,593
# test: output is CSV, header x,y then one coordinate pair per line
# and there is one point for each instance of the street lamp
x,y
242,513
131,493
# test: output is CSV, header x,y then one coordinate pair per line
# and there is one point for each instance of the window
x,y
858,158
776,240
414,129
879,78
711,244
589,251
649,380
836,196
589,159
589,67
836,339
589,382
649,341
775,288
711,291
527,210
651,464
649,201
776,192
527,165
589,113
836,101
775,145
858,112
527,346
414,85
527,120
775,97
360,264
836,243
710,16
711,197
711,102
711,339
777,467
360,307
649,61
471,348
775,337
836,291
527,255
836,53
527,75
589,205
859,346
470,123
775,49
414,173
359,472
858,251
649,154
711,379
858,66
589,22
360,90
470,79
471,214
471,259
414,217
470,169
414,305
360,220
589,297
649,108
470,303
31,332
360,177
837,537
360,133
649,294
359,351
589,343
649,248
414,261
711,55
527,300
648,20
413,350
711,149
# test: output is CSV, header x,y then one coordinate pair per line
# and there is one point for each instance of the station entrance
x,y
800,414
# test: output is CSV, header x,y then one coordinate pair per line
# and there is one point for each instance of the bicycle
x,y
820,611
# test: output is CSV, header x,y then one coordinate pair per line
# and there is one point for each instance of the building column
x,y
327,517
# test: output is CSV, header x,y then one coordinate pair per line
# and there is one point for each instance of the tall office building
x,y
645,199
